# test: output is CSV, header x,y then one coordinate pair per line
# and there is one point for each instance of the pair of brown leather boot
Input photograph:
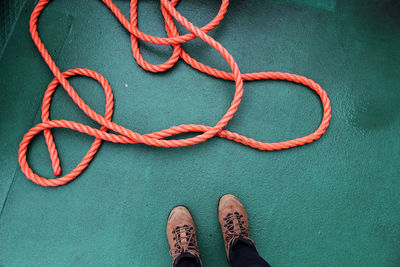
x,y
181,231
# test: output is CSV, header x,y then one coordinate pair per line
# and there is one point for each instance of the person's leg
x,y
181,235
240,249
187,260
242,252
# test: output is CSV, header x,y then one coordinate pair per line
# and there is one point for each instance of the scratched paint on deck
x,y
321,4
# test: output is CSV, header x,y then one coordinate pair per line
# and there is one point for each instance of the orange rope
x,y
127,136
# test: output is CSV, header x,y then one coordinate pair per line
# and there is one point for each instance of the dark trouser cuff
x,y
187,260
243,252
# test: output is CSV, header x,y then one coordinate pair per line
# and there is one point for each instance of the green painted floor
x,y
335,202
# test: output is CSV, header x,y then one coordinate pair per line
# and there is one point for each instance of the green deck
x,y
335,202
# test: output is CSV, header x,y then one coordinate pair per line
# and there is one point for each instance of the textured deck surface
x,y
335,202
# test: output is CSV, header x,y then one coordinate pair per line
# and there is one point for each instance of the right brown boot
x,y
181,234
233,220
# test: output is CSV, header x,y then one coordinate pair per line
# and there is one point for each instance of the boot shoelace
x,y
185,241
126,136
234,227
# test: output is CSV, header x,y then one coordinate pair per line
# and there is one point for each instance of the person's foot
x,y
181,233
233,220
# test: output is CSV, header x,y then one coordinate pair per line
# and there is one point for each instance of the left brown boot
x,y
181,233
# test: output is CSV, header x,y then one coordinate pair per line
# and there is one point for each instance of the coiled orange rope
x,y
127,136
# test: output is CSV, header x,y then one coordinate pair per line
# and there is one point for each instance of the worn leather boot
x,y
181,233
233,220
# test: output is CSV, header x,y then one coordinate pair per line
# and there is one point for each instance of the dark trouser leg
x,y
187,260
243,253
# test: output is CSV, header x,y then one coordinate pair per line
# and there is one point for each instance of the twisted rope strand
x,y
127,136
